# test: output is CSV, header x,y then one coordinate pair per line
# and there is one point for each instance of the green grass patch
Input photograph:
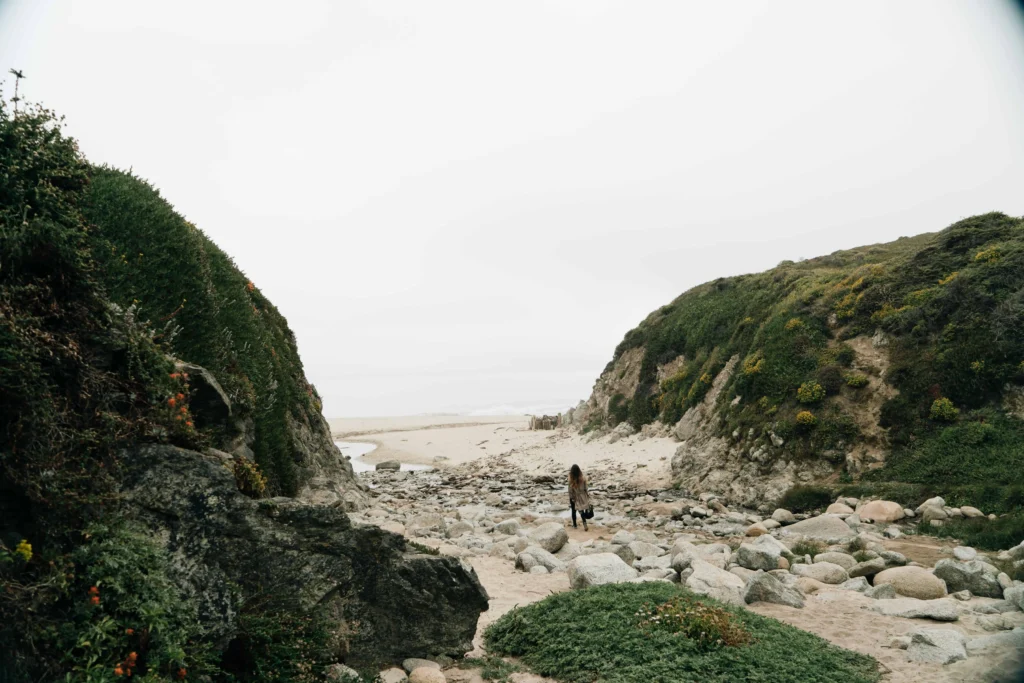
x,y
491,668
598,635
1000,533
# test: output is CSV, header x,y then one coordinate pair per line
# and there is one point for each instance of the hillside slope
x,y
137,536
900,362
151,258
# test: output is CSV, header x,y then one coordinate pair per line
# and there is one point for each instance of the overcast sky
x,y
465,205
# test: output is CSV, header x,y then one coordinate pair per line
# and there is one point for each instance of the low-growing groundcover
x,y
595,635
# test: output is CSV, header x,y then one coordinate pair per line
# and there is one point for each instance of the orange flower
x,y
171,401
181,673
181,397
95,599
118,671
174,375
250,286
177,417
131,658
129,632
188,423
94,591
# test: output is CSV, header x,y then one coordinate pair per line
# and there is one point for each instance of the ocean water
x,y
356,450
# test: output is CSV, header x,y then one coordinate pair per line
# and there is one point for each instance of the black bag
x,y
588,513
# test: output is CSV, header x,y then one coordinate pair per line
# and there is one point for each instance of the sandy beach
x,y
445,441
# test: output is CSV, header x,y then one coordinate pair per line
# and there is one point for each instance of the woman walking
x,y
579,498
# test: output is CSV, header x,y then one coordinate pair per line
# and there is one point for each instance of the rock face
x,y
976,576
706,462
223,544
912,582
598,569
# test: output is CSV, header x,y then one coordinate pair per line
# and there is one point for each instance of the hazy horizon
x,y
462,207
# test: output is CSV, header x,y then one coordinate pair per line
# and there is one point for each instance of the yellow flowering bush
x,y
810,392
943,410
805,418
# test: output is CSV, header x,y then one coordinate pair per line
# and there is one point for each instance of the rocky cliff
x,y
900,362
171,504
387,600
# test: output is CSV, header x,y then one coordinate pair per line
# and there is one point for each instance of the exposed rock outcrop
x,y
388,600
708,462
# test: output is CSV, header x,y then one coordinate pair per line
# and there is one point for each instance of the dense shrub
x,y
1001,533
618,409
856,380
943,410
806,419
810,392
592,634
805,498
149,256
706,625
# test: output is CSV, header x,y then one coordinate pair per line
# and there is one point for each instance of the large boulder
x,y
839,509
643,549
598,569
910,608
826,572
534,556
757,556
937,646
509,527
425,523
881,512
226,547
551,536
828,528
783,516
976,576
762,587
707,579
867,567
844,560
913,582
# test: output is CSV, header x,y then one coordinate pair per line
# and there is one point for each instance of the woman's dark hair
x,y
575,474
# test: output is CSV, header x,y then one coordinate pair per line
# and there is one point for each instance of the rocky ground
x,y
857,575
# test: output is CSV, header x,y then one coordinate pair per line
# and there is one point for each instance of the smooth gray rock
x,y
826,572
859,584
764,587
885,591
867,568
509,527
828,528
388,466
942,609
844,560
536,556
415,663
642,549
550,536
783,517
707,579
751,556
964,554
937,646
978,577
598,569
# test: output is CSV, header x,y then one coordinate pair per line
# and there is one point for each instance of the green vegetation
x,y
808,547
948,306
999,534
100,283
491,668
605,633
804,498
149,257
